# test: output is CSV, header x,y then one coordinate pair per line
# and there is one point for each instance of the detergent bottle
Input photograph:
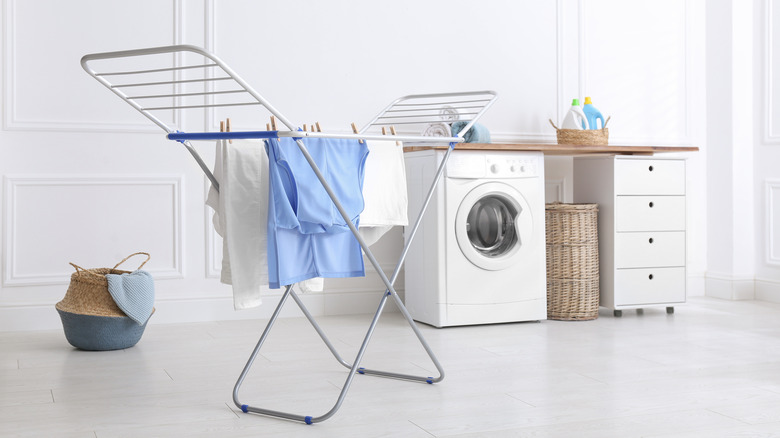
x,y
592,114
575,118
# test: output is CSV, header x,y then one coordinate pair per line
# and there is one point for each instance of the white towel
x,y
449,114
437,130
240,217
240,214
384,190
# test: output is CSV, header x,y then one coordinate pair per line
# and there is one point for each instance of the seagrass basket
x,y
572,261
587,137
90,317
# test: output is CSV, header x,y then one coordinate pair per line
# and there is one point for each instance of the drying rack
x,y
165,80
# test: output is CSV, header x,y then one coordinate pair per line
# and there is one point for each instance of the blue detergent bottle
x,y
592,114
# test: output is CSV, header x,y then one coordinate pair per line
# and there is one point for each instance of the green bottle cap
x,y
575,102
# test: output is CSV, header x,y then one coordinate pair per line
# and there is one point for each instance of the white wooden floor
x,y
710,370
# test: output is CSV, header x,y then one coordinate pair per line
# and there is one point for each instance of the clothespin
x,y
221,126
318,127
227,127
354,129
384,131
267,126
304,127
273,124
392,130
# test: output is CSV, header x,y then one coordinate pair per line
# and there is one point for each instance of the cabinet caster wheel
x,y
670,310
617,313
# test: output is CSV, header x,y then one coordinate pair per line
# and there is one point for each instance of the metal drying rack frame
x,y
173,92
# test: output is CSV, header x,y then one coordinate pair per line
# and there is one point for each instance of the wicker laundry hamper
x,y
90,317
572,261
587,137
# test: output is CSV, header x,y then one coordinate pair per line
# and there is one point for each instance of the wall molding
x,y
12,182
43,316
768,290
772,189
12,121
729,287
770,137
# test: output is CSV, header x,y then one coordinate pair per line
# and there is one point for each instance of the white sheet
x,y
384,190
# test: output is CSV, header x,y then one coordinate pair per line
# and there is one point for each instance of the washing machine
x,y
478,256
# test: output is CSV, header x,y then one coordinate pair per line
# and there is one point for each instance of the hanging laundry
x,y
307,237
384,190
240,217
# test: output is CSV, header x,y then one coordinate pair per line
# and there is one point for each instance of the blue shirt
x,y
307,237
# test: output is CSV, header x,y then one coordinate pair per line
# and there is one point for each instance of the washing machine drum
x,y
492,225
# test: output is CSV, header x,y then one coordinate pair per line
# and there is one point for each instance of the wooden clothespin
x,y
318,127
392,130
305,129
273,124
227,127
354,129
221,126
267,126
384,131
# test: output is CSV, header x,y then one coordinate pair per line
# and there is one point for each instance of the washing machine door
x,y
492,224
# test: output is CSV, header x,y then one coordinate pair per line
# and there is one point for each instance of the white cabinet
x,y
641,227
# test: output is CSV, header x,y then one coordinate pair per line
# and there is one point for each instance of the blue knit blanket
x,y
476,134
133,293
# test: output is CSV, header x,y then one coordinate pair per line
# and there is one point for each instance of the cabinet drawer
x,y
649,177
649,286
650,213
642,250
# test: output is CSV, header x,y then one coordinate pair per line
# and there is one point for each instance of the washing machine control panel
x,y
494,165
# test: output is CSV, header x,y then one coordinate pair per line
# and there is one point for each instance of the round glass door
x,y
490,226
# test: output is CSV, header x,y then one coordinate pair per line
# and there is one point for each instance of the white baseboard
x,y
696,285
729,287
768,290
45,317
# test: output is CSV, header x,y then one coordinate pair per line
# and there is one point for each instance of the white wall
x,y
766,156
743,138
87,180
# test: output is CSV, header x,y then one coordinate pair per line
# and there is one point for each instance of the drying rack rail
x,y
162,81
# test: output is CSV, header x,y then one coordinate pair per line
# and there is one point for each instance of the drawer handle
x,y
650,168
650,240
650,204
650,276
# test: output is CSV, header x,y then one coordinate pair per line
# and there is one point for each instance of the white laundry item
x,y
449,114
240,214
437,130
384,190
240,217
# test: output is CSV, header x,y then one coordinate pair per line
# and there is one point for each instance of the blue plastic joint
x,y
245,408
298,138
361,370
452,144
429,380
180,141
307,419
389,293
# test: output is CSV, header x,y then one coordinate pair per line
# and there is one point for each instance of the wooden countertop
x,y
560,149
